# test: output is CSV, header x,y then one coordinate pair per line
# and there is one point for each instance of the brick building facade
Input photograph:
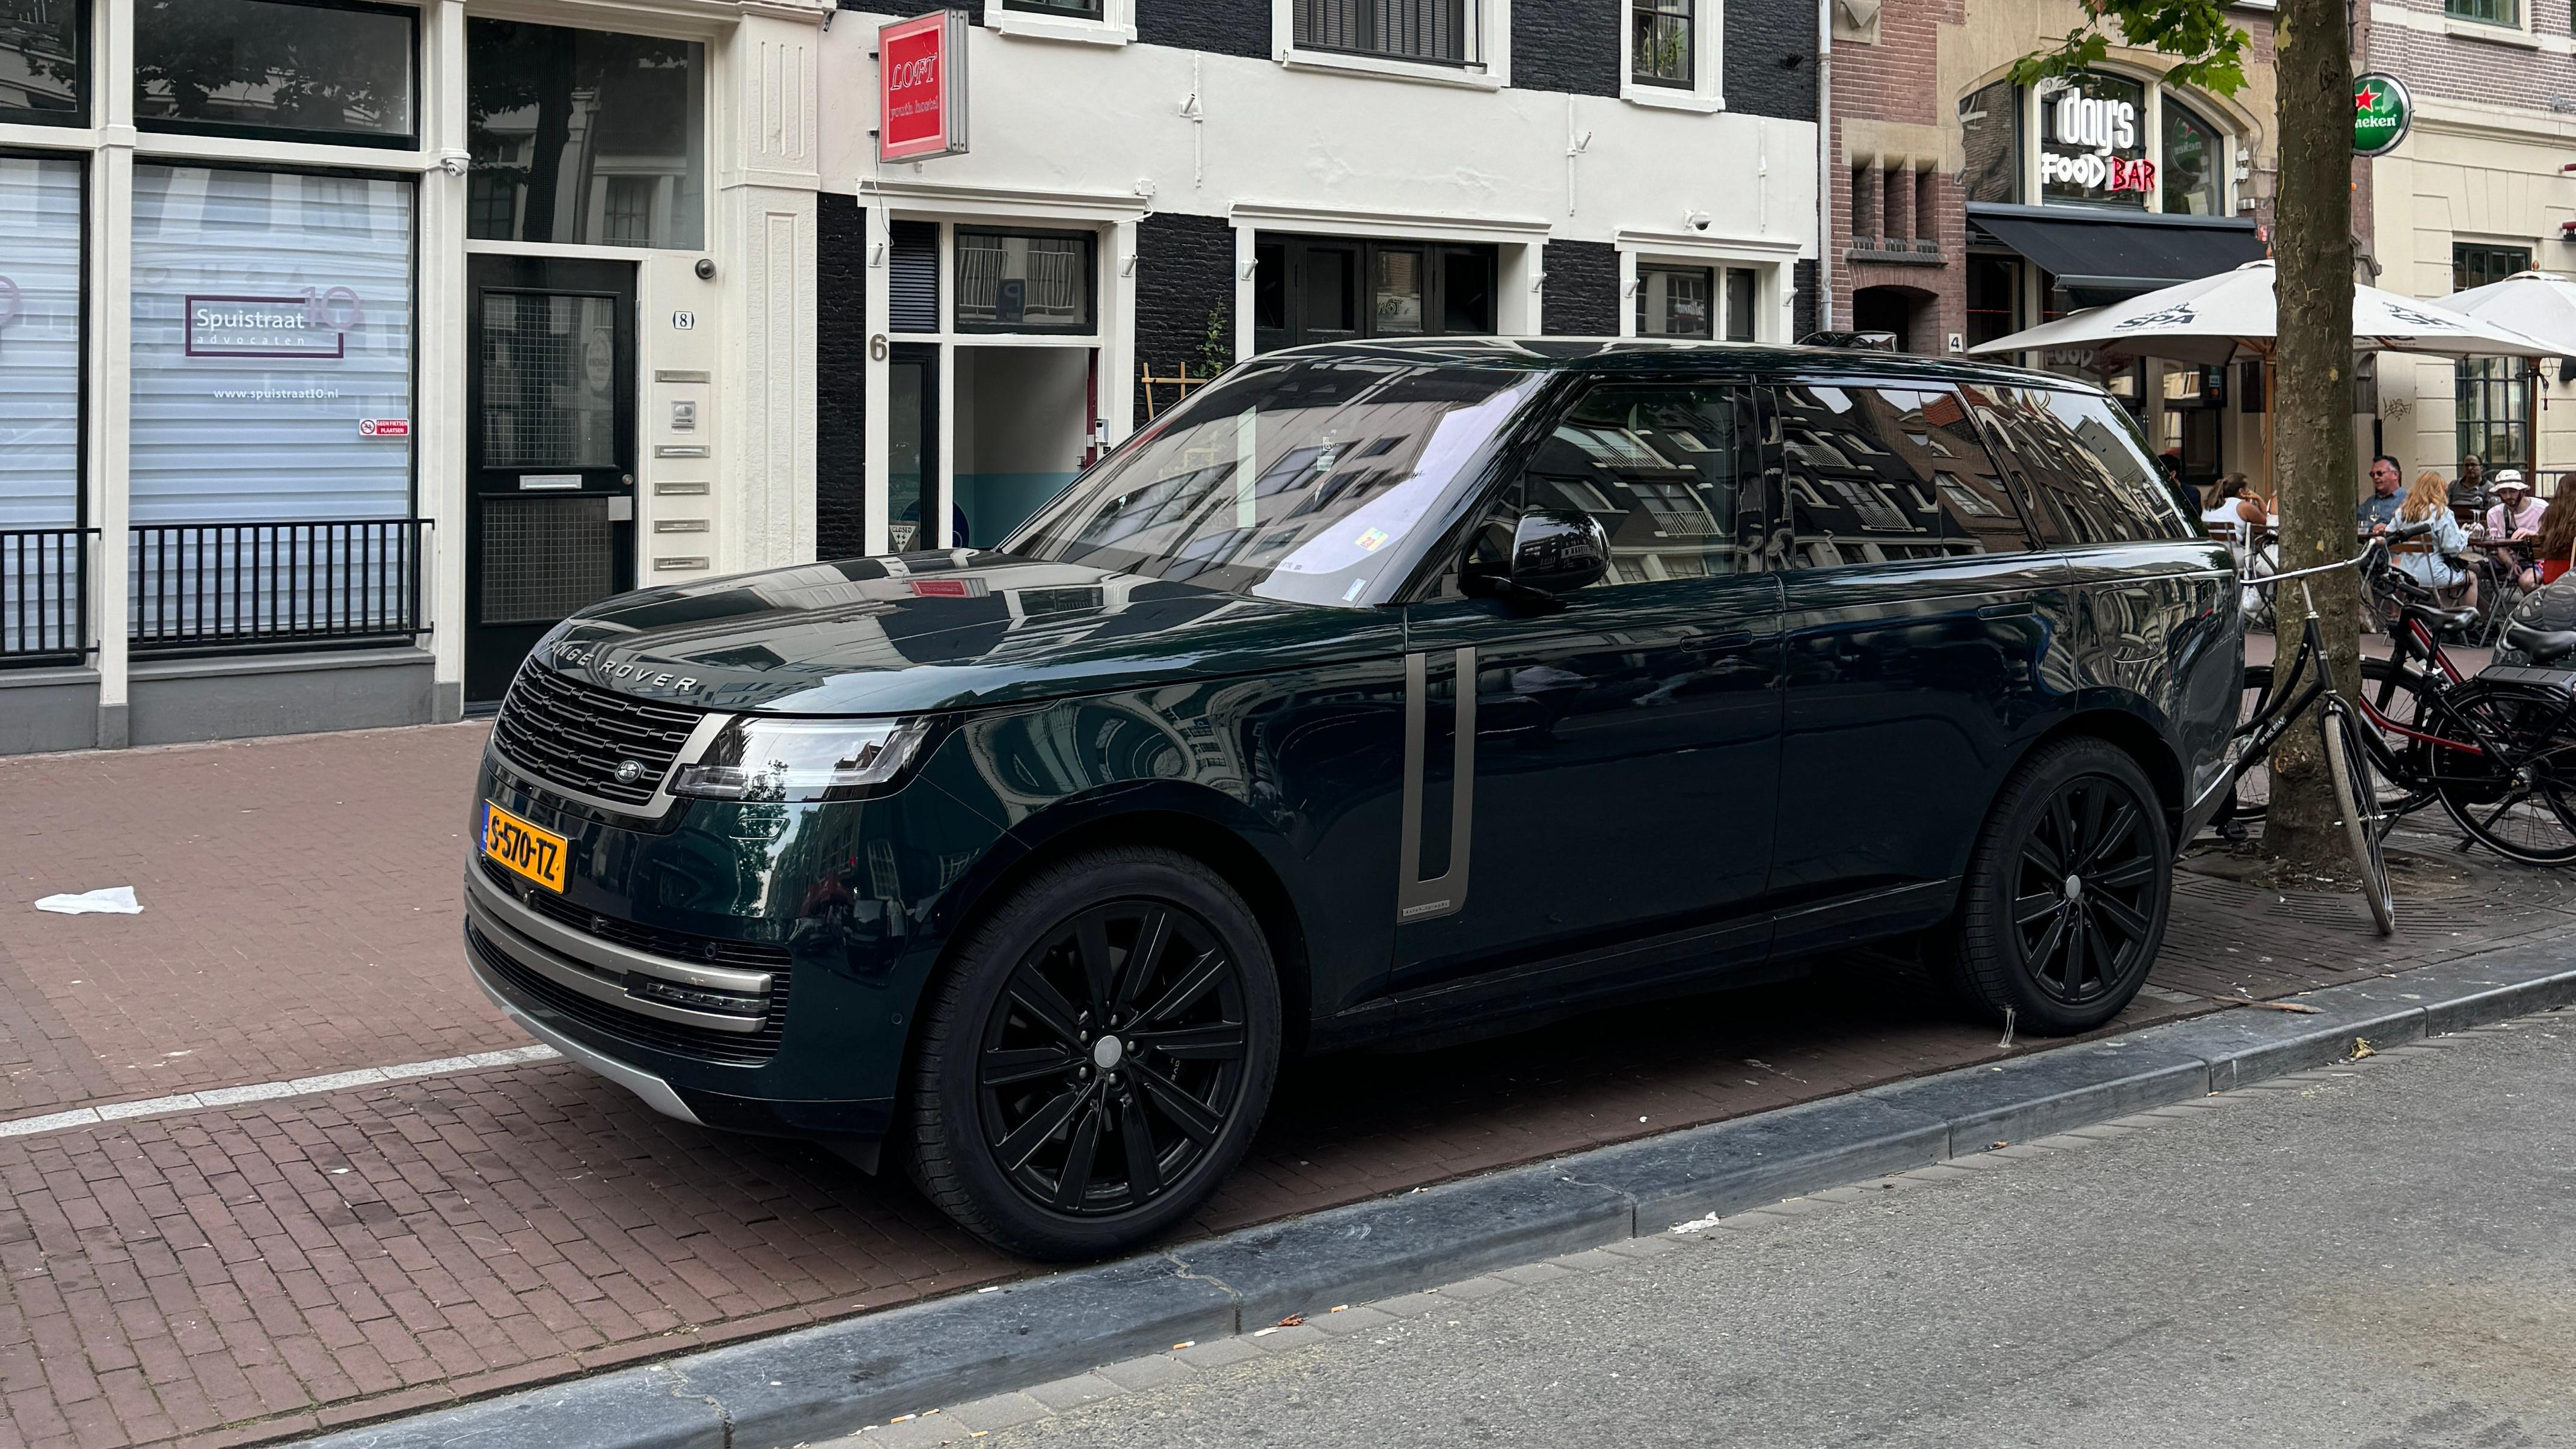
x,y
2473,194
1953,217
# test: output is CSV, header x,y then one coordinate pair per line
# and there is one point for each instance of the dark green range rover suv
x,y
1380,694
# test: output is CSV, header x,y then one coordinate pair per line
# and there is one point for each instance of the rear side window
x,y
1875,473
2095,483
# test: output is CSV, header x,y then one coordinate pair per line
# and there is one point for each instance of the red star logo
x,y
2365,99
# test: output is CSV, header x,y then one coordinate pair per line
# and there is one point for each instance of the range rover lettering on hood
x,y
642,676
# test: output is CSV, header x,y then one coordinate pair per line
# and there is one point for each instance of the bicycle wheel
x,y
2348,765
2402,781
2523,805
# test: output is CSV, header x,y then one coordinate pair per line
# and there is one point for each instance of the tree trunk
x,y
2313,262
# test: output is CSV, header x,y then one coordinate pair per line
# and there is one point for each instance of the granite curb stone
x,y
834,1378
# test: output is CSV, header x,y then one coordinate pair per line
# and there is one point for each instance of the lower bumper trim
x,y
655,1092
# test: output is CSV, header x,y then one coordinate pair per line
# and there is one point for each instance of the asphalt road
x,y
2376,1256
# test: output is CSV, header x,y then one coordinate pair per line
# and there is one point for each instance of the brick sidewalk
x,y
234,1275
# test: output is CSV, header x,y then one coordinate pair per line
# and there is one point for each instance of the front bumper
x,y
657,1093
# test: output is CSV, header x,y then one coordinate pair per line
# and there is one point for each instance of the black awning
x,y
2103,256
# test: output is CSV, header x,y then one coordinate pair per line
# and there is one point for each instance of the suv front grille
x,y
679,946
733,1048
577,736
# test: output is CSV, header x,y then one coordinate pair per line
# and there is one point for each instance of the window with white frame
x,y
1098,22
1669,53
1687,301
1460,42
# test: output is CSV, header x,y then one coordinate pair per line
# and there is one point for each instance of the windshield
x,y
1290,480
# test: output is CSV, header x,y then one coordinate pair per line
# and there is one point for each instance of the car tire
x,y
1047,1053
2044,946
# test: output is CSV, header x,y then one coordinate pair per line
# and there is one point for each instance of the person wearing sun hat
x,y
2515,520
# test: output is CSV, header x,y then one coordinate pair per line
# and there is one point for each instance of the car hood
x,y
939,631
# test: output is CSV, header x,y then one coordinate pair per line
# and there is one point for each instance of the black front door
x,y
1621,781
549,454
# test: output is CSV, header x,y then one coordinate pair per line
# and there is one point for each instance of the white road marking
x,y
266,1091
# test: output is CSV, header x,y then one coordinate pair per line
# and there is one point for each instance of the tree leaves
x,y
2209,47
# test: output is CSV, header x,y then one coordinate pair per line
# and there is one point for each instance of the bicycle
x,y
2497,750
2348,759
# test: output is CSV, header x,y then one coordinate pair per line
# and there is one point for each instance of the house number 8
x,y
684,321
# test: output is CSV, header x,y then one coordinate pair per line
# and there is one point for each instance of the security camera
x,y
1699,221
706,269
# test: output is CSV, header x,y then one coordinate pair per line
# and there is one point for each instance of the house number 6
x,y
877,348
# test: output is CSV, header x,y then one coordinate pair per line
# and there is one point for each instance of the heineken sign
x,y
2382,112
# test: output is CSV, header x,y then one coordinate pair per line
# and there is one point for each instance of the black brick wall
x,y
1569,45
1220,27
1184,271
1760,35
1581,295
840,377
1802,303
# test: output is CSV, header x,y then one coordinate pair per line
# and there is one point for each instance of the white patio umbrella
x,y
2534,303
2218,319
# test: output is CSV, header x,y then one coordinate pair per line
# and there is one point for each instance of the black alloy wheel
x,y
1097,1055
2067,892
1113,1058
2083,902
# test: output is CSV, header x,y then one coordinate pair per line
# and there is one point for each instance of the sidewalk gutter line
x,y
271,1091
835,1378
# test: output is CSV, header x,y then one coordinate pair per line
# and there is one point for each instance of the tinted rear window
x,y
1877,472
2095,482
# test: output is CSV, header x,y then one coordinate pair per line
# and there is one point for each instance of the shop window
x,y
1661,44
2492,394
581,136
1326,289
1990,130
1441,32
334,71
1992,283
1024,281
2486,12
40,343
2195,170
262,341
2093,142
44,62
1676,301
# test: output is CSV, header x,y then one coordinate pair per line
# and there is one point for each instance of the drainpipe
x,y
1824,165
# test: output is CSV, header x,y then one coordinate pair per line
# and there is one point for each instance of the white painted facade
x,y
1074,126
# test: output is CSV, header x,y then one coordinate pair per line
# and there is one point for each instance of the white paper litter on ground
x,y
114,900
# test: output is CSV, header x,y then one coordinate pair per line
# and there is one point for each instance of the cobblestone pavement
x,y
233,1274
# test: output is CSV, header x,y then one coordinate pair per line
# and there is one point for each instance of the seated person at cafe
x,y
2557,540
2231,511
2429,558
2514,521
2469,490
2379,506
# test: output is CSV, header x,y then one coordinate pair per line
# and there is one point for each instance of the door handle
x,y
2022,610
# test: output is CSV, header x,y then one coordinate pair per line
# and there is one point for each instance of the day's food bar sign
x,y
2094,144
315,324
921,87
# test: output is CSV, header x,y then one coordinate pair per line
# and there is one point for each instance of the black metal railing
x,y
198,584
1439,31
44,593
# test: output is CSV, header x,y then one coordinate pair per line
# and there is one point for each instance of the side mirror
x,y
1554,551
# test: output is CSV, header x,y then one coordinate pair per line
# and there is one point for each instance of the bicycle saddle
x,y
2543,645
2438,620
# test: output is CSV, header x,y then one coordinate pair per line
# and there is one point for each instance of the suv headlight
x,y
796,760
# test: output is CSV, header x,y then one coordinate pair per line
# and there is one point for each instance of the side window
x,y
1878,473
1670,472
2095,483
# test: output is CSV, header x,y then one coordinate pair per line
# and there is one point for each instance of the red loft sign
x,y
921,87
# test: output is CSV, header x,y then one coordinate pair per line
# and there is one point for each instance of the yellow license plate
x,y
532,852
